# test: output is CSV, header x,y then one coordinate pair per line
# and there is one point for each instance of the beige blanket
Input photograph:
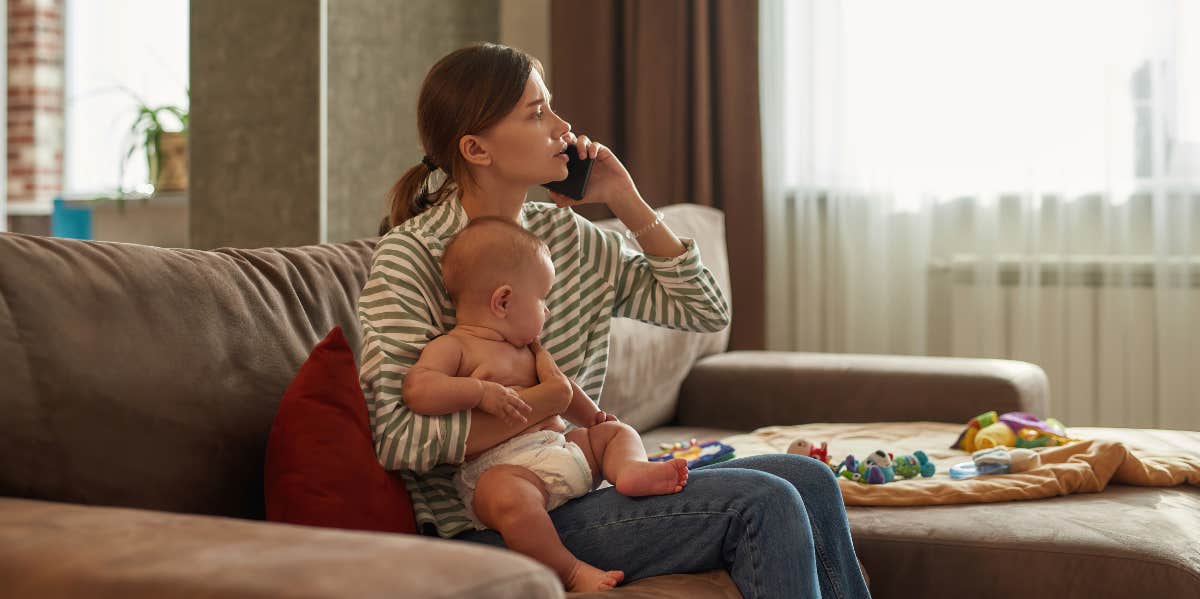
x,y
1106,455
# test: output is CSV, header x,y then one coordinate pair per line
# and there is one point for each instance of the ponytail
x,y
411,195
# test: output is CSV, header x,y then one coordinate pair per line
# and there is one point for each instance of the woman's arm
x,y
664,284
488,431
676,292
397,321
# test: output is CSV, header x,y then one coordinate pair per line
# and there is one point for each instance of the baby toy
x,y
909,466
880,467
806,448
1012,429
996,460
697,454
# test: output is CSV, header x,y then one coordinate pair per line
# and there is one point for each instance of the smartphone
x,y
578,171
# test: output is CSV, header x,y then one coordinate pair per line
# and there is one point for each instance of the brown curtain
x,y
672,87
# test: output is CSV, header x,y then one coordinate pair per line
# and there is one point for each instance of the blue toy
x,y
881,468
996,460
697,454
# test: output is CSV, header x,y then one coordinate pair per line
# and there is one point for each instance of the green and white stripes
x,y
404,305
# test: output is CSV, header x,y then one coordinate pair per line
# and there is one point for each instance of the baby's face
x,y
528,312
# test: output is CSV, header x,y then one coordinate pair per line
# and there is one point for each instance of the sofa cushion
x,y
647,363
50,550
148,377
321,468
1122,542
714,584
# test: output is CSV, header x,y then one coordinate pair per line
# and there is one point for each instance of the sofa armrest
x,y
64,550
749,389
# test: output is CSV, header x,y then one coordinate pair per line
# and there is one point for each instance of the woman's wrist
x,y
633,211
639,217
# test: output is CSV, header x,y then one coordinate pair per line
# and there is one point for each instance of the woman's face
x,y
526,144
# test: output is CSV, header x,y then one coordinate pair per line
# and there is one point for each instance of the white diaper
x,y
559,463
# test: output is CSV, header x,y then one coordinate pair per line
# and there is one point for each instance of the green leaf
x,y
147,129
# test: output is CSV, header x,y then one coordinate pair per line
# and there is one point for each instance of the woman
x,y
776,523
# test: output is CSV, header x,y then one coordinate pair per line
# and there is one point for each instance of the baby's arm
x,y
432,389
549,398
583,411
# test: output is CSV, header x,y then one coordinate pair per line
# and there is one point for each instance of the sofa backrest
x,y
139,376
647,363
147,377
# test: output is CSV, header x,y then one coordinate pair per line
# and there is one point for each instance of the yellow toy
x,y
1013,429
996,434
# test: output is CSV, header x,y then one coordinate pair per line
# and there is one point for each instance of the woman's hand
x,y
609,181
547,370
549,373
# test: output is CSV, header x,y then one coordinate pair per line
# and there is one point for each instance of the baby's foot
x,y
653,478
586,578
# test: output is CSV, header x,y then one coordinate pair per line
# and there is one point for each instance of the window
x,y
948,97
116,50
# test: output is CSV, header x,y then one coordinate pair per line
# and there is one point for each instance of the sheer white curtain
x,y
1013,179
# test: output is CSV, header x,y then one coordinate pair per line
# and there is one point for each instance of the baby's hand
x,y
505,403
602,417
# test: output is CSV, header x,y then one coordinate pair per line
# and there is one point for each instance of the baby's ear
x,y
501,299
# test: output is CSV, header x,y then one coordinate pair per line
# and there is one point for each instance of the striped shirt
x,y
597,276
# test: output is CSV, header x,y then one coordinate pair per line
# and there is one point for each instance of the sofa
x,y
140,386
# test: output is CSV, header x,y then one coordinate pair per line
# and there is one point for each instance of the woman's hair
x,y
466,92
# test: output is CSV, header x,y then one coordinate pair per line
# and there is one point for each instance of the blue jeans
x,y
775,522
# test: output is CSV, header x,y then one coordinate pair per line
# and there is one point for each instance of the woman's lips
x,y
563,156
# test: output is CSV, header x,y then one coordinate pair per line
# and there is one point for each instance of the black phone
x,y
578,171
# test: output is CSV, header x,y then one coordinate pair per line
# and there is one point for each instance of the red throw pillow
x,y
321,467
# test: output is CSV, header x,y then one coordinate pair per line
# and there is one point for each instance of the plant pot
x,y
172,162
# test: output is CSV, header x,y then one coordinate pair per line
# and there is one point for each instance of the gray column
x,y
254,118
379,53
261,120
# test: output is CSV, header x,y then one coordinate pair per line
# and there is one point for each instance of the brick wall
x,y
35,100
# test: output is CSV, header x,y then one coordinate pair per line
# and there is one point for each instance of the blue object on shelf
x,y
74,222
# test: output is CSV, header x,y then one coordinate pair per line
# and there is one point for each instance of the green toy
x,y
909,466
881,467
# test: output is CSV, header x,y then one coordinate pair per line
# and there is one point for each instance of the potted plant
x,y
165,148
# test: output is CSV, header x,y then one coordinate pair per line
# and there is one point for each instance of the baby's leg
x,y
614,450
512,500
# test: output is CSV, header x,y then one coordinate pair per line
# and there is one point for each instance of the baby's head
x,y
498,275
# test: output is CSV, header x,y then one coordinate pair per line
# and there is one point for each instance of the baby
x,y
498,275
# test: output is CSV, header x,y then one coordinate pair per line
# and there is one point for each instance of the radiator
x,y
1119,338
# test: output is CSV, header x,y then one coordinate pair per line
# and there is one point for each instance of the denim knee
x,y
759,487
802,471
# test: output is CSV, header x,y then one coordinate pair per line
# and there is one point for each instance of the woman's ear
x,y
501,298
473,150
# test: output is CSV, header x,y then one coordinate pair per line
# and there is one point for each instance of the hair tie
x,y
428,162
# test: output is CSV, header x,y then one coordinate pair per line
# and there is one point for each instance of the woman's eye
x,y
539,114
